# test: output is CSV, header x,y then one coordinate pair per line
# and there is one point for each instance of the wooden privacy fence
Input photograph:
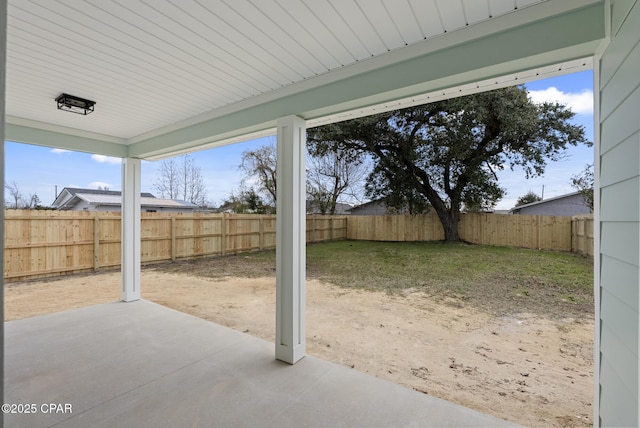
x,y
48,243
395,228
528,231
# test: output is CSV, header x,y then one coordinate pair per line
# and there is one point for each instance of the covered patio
x,y
171,369
173,77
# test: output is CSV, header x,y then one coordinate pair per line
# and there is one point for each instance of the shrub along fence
x,y
49,243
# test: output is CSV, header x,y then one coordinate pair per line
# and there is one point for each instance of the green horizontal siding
x,y
621,201
621,162
620,219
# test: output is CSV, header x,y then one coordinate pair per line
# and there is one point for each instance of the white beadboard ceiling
x,y
157,65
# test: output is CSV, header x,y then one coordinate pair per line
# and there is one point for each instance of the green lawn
x,y
499,279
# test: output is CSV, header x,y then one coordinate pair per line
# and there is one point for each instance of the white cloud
x,y
106,159
58,151
578,102
100,185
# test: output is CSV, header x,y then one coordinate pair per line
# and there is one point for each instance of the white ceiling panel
x,y
525,3
307,49
451,14
404,21
475,11
428,17
500,7
338,27
153,66
383,22
360,26
313,33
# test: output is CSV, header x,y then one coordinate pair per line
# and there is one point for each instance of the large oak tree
x,y
447,153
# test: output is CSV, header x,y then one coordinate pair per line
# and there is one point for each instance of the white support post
x,y
3,55
290,240
130,229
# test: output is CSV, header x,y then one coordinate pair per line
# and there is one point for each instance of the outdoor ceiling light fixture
x,y
73,104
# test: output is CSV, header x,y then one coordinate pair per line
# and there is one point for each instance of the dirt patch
x,y
527,369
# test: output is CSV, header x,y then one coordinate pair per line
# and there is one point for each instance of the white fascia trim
x,y
46,134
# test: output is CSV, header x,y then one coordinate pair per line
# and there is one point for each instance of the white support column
x,y
130,229
3,55
290,240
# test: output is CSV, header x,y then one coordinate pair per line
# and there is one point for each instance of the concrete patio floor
x,y
144,365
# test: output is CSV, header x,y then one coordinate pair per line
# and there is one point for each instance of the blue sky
x,y
38,170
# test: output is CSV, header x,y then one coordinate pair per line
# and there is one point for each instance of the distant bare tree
x,y
332,175
193,188
21,201
15,194
181,178
167,181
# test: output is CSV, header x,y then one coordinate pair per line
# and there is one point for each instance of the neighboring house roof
x,y
74,190
569,204
375,207
70,197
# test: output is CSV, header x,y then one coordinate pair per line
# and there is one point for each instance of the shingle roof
x,y
145,201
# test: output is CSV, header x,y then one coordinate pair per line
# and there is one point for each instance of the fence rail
x,y
49,243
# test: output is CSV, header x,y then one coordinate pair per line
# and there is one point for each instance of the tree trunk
x,y
449,220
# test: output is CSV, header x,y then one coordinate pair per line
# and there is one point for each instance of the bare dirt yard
x,y
527,368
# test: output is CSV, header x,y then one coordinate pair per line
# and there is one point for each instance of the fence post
x,y
96,243
261,232
223,235
331,228
173,238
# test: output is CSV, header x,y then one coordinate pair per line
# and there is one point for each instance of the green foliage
x,y
528,198
584,183
248,201
445,154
